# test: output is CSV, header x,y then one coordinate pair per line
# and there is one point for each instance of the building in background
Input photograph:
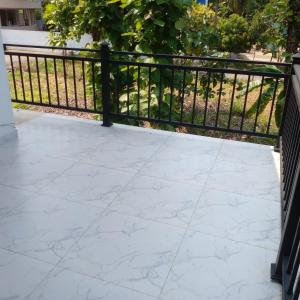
x,y
21,14
205,2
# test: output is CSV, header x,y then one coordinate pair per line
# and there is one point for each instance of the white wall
x,y
6,115
38,38
20,4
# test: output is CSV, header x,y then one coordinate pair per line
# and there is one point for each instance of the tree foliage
x,y
234,34
152,26
202,37
269,27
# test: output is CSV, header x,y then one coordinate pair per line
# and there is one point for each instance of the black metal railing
x,y
206,93
209,93
65,78
286,269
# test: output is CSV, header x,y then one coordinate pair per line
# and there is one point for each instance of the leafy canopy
x,y
151,26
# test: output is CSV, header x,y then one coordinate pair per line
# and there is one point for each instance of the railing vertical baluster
x,y
83,84
297,290
294,249
195,97
22,78
105,75
118,82
14,77
245,103
232,101
47,80
171,95
66,84
183,96
149,91
138,91
294,272
56,82
128,93
30,80
258,103
94,87
272,105
219,100
206,99
160,94
75,85
38,78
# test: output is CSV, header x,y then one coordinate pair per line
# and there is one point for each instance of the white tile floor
x,y
124,213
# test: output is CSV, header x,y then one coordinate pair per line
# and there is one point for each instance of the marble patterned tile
x,y
67,148
249,155
254,181
54,146
110,206
45,227
20,275
239,218
119,155
11,198
159,200
32,174
63,284
248,145
199,138
175,166
127,251
137,136
88,184
192,145
214,268
69,127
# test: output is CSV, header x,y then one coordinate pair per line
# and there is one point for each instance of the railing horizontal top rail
x,y
57,56
205,58
158,55
200,68
51,48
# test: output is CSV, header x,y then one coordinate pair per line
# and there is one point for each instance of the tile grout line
x,y
188,225
37,260
134,174
94,221
88,227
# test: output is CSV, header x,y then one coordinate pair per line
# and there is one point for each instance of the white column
x,y
7,124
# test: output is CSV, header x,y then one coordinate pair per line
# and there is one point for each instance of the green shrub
x,y
234,34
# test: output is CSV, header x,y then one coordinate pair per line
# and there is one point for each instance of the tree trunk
x,y
96,35
293,39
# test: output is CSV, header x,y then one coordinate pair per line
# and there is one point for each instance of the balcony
x,y
123,212
130,213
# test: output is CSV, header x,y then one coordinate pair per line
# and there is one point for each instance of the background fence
x,y
235,96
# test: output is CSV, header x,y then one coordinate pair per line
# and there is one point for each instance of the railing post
x,y
105,84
